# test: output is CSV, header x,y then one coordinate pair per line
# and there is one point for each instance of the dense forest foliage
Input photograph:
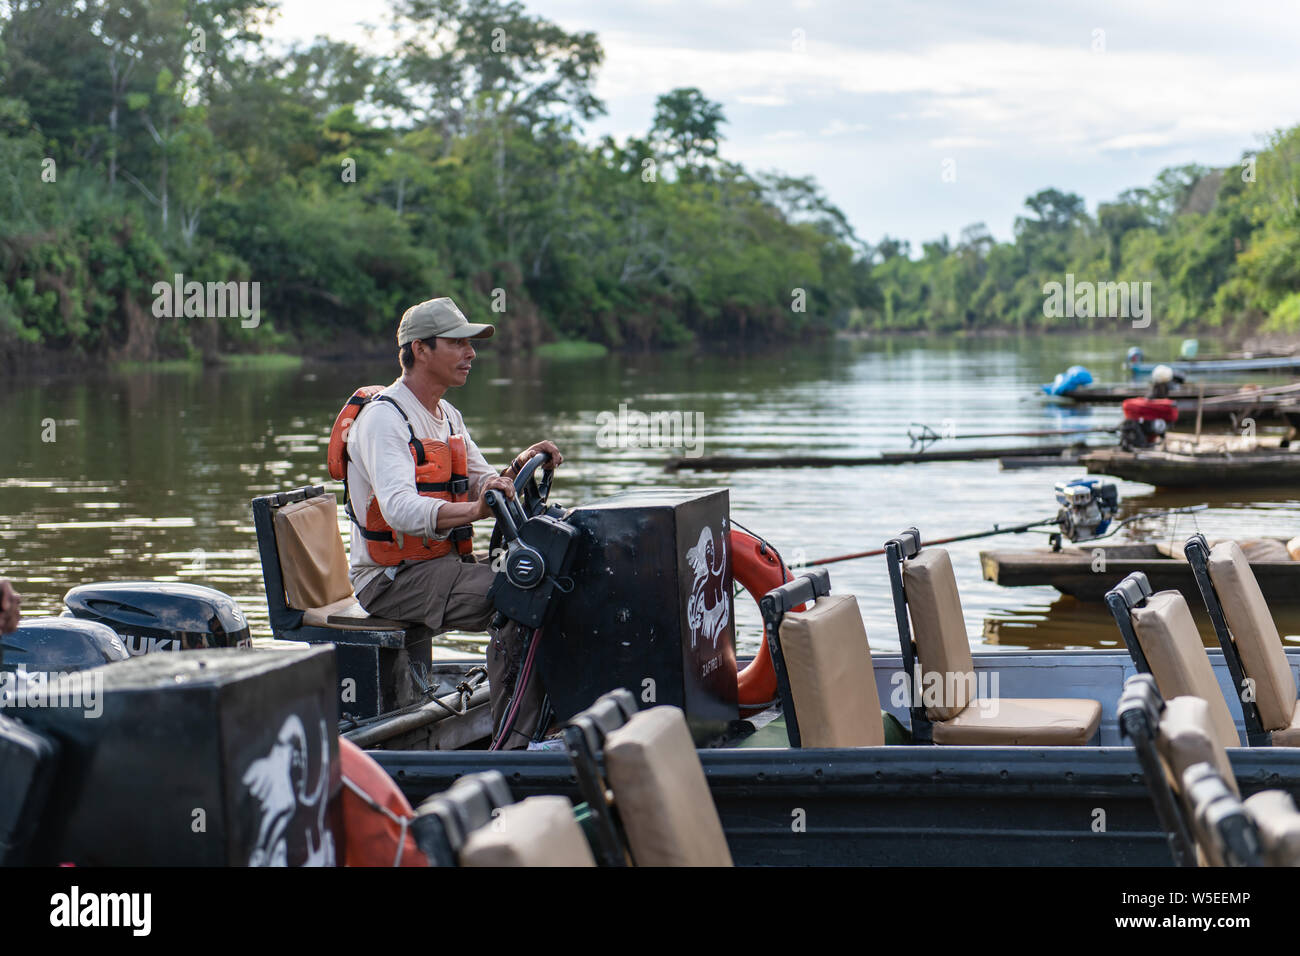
x,y
142,139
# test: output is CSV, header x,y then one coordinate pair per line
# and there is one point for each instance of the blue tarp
x,y
1076,376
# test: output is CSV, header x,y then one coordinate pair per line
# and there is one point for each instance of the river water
x,y
149,474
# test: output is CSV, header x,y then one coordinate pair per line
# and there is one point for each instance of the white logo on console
x,y
279,782
708,612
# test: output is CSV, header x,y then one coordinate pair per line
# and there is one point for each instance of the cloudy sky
x,y
920,117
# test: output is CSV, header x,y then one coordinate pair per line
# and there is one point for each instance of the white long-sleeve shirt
x,y
383,467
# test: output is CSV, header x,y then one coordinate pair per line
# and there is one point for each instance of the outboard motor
x,y
1145,422
162,616
1088,505
59,644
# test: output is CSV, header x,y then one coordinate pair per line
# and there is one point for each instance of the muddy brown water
x,y
149,475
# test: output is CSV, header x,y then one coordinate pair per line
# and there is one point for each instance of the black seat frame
x,y
445,820
1140,707
1197,550
807,586
584,736
904,547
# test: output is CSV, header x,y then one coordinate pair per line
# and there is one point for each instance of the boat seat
x,y
1006,721
382,664
1187,737
823,665
1189,776
1164,642
1224,831
1250,641
475,824
1139,711
315,566
662,794
654,781
538,831
932,626
1278,821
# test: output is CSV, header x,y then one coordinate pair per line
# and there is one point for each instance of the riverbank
x,y
25,359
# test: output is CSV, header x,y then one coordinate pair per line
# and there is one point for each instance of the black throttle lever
x,y
525,567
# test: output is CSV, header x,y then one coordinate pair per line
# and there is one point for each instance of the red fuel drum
x,y
1150,409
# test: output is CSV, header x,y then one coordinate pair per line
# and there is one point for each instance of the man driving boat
x,y
415,481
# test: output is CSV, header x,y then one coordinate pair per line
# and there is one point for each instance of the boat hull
x,y
900,806
1269,469
919,806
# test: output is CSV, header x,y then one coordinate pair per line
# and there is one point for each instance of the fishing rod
x,y
997,529
1043,525
927,435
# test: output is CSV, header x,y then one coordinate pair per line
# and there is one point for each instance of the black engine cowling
x,y
162,616
54,644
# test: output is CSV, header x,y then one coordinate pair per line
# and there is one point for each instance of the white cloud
x,y
838,127
959,142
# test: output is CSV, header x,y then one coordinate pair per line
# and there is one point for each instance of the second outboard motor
x,y
162,616
54,644
1088,505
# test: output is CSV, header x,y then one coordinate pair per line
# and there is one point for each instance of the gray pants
x,y
448,594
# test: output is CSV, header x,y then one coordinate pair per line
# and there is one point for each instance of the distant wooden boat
x,y
1244,362
902,457
1087,572
1115,394
1221,402
1207,466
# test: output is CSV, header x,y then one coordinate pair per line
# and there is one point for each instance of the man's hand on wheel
x,y
547,447
502,484
10,603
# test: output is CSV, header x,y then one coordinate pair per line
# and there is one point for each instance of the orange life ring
x,y
758,569
374,814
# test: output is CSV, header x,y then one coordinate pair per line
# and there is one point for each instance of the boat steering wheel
x,y
530,498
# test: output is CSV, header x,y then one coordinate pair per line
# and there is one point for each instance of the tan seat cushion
x,y
939,629
828,661
539,831
1187,737
661,793
1255,634
1289,736
1275,815
348,615
1011,722
312,559
1261,550
1293,548
1178,661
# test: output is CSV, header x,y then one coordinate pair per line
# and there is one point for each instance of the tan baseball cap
x,y
439,318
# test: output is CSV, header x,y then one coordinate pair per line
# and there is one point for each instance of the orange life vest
x,y
440,472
